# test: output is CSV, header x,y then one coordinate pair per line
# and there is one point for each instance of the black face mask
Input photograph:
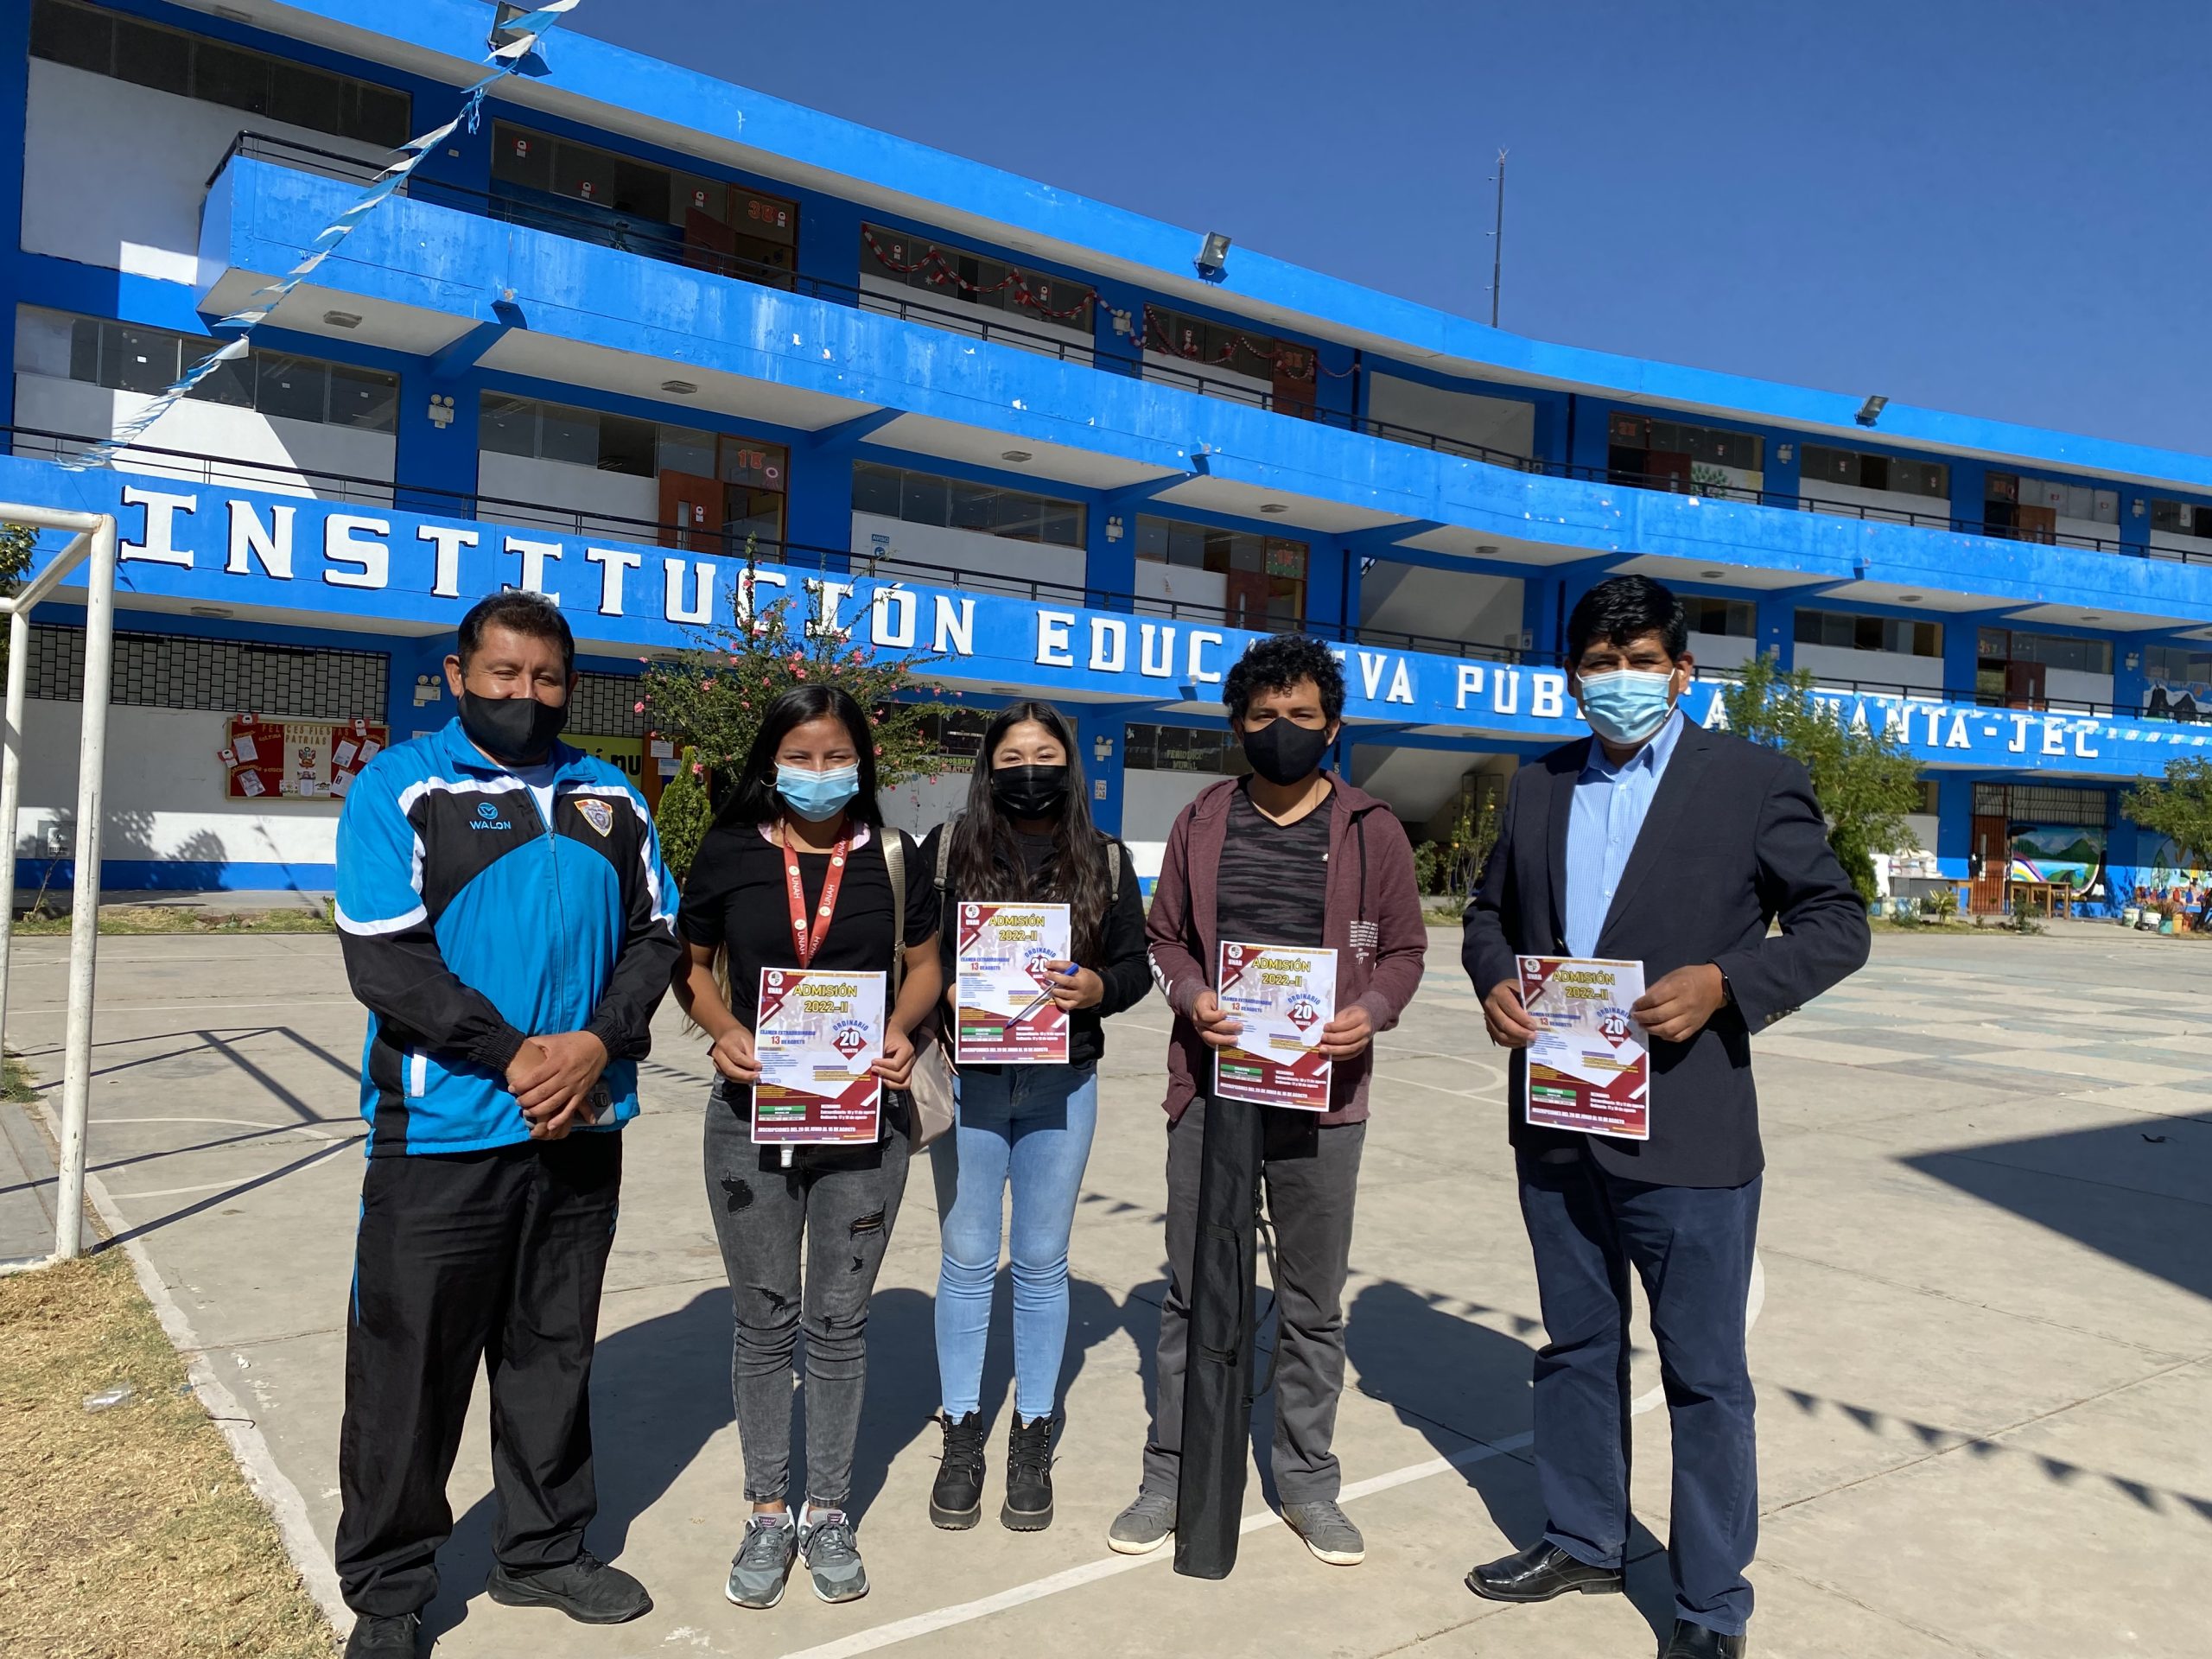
x,y
1283,752
1030,792
512,728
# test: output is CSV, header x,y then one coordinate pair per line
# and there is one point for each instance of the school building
x,y
640,320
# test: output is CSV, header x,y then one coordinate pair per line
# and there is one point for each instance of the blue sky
x,y
1999,207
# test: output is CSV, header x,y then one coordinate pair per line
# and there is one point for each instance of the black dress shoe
x,y
1697,1641
586,1590
378,1634
1539,1572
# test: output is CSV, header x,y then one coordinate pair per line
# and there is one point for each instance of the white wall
x,y
1492,422
1150,801
280,447
114,174
1723,650
1460,604
565,485
2169,540
1220,380
1183,584
164,792
877,536
1841,662
920,804
948,312
1879,504
1416,784
2074,686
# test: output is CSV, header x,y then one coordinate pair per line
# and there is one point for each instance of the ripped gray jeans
x,y
843,1202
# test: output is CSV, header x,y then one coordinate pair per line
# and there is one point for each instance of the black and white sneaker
x,y
763,1560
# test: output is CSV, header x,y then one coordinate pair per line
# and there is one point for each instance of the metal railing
x,y
657,239
37,443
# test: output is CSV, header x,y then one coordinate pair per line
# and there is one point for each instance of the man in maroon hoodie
x,y
1291,855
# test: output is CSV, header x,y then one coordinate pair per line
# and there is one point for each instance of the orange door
x,y
691,512
1296,382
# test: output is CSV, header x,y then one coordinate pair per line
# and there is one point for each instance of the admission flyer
x,y
1007,1016
817,1033
1283,994
1588,1068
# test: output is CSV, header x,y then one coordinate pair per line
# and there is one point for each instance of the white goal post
x,y
92,535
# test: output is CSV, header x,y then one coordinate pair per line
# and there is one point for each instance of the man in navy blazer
x,y
1653,840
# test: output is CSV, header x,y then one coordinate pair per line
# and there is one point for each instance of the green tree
x,y
1863,778
709,699
16,543
2180,809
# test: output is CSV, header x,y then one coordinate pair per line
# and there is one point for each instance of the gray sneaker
x,y
764,1561
1327,1532
833,1558
1144,1526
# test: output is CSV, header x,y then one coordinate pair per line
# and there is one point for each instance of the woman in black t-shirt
x,y
795,874
1027,834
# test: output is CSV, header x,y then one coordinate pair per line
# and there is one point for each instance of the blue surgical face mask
x,y
1628,706
817,795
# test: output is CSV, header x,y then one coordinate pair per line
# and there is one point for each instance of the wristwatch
x,y
1728,991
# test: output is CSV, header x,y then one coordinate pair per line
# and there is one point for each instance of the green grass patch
x,y
176,918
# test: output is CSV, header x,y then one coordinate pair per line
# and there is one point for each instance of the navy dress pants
x,y
1692,1246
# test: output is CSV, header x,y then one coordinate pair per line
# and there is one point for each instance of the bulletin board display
x,y
298,759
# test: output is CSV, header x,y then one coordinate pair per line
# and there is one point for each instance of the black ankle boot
x,y
1028,1475
957,1498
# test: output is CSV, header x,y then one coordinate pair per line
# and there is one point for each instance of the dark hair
x,y
753,800
1278,662
987,864
519,611
1621,610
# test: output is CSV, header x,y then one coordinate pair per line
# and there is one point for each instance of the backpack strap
x,y
944,853
894,863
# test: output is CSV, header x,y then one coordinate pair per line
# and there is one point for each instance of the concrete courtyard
x,y
1983,1340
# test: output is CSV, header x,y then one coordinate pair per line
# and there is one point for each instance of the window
x,y
2089,809
171,670
1847,630
677,215
957,504
1860,470
123,357
955,733
170,60
1220,346
1735,618
605,705
1998,646
2177,665
1930,799
1266,574
2030,509
973,278
638,449
1649,448
2182,518
1182,748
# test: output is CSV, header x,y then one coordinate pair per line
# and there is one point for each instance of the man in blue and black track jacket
x,y
507,921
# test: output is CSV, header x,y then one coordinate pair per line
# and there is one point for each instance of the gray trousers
x,y
1310,1189
842,1203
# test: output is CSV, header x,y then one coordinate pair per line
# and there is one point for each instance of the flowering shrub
x,y
709,699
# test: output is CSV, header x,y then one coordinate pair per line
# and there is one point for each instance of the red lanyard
x,y
806,941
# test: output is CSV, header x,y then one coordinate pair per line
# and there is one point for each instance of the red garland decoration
x,y
1289,362
944,273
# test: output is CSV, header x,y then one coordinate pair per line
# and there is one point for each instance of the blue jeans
x,y
1030,1125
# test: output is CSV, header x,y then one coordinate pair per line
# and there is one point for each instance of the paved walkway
x,y
1984,1352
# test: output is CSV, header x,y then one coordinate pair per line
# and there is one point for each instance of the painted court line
x,y
1074,1578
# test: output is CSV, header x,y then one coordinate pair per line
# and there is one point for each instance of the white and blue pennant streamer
x,y
524,31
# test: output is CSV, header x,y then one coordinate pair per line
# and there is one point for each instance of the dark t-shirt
x,y
735,897
1272,885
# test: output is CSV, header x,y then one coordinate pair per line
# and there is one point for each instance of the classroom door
x,y
1297,384
1992,850
691,512
2024,685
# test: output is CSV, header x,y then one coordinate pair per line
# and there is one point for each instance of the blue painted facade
x,y
552,299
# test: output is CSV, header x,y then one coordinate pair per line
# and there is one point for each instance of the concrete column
x,y
1778,627
830,244
1109,554
14,92
818,508
1118,353
436,447
1953,824
413,657
2130,688
1784,477
1967,478
1098,732
1961,653
1331,588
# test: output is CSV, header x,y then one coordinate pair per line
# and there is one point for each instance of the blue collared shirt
x,y
1610,804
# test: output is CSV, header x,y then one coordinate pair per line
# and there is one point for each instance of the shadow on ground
x,y
2134,1190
